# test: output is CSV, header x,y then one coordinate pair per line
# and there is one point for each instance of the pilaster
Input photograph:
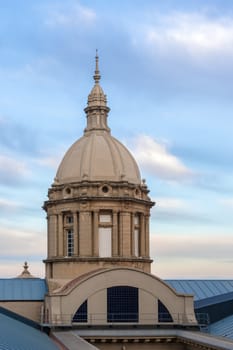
x,y
76,245
142,238
115,243
85,234
126,234
96,233
60,235
52,236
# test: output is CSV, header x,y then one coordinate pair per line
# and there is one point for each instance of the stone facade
x,y
63,302
81,214
97,192
98,212
29,309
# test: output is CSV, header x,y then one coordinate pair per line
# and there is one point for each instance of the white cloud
x,y
6,204
50,161
227,202
155,158
39,69
191,268
12,170
173,210
12,165
16,242
52,158
168,203
198,246
192,256
69,15
193,34
12,268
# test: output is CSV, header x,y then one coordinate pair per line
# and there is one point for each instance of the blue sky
x,y
167,71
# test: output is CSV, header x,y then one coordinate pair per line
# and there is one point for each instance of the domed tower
x,y
98,208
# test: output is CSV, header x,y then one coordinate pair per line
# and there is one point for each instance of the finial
x,y
97,75
25,266
25,273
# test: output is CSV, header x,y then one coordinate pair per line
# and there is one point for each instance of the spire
x,y
97,109
97,75
25,273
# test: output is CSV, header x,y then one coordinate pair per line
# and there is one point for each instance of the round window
x,y
105,189
68,190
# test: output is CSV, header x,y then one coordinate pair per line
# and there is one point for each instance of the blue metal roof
x,y
223,328
221,298
15,335
202,289
22,289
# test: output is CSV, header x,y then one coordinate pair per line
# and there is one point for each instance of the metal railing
x,y
201,319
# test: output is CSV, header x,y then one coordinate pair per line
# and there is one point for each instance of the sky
x,y
166,68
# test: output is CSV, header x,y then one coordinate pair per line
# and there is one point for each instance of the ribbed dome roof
x,y
97,156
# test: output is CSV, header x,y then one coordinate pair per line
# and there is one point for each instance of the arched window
x,y
122,304
163,313
81,313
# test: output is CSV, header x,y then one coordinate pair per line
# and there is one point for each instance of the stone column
x,y
96,233
61,248
142,239
126,234
147,235
132,235
48,238
85,233
52,235
75,228
115,245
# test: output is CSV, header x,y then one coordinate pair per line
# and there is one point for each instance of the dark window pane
x,y
81,313
122,304
164,314
70,242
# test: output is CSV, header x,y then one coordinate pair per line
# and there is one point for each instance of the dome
x,y
97,156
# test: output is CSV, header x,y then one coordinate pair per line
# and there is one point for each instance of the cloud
x,y
171,209
198,246
186,268
49,161
52,158
8,205
25,243
17,137
191,34
196,256
155,158
15,212
12,171
227,202
167,203
70,14
178,210
12,268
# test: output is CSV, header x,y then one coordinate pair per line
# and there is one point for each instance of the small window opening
x,y
81,313
105,189
122,304
163,313
70,242
69,219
